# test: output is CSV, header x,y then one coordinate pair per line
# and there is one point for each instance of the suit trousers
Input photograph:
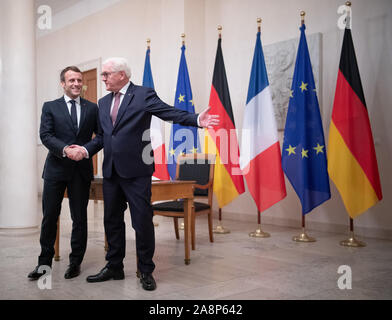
x,y
78,190
136,192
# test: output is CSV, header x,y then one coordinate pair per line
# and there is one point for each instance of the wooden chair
x,y
192,167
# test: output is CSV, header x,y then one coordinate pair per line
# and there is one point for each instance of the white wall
x,y
121,30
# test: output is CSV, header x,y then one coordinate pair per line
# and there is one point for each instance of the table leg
x,y
106,244
137,267
57,243
187,228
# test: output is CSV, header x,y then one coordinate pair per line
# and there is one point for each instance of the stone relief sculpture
x,y
280,62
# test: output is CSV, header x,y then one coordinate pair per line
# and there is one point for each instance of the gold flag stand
x,y
258,233
219,228
351,241
303,237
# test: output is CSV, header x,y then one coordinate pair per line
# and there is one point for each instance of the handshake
x,y
75,152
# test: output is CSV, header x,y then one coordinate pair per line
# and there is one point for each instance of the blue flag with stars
x,y
304,156
182,139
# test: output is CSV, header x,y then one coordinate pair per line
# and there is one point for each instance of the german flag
x,y
352,162
222,139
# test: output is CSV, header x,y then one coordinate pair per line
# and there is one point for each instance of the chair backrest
x,y
198,167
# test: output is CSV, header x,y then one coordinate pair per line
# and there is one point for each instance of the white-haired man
x,y
125,115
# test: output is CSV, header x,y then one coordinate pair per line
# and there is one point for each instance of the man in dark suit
x,y
65,122
125,116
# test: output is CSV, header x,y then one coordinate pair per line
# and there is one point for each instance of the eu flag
x,y
304,155
182,139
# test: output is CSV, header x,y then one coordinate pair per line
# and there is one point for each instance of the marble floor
x,y
234,267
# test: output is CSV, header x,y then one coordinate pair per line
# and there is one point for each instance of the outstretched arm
x,y
168,113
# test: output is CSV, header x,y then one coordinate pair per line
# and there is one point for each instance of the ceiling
x,y
56,5
66,12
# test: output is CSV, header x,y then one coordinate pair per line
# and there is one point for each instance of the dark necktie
x,y
74,117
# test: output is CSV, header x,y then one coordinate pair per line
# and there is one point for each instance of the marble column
x,y
18,116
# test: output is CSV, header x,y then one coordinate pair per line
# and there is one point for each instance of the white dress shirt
x,y
78,110
69,105
123,91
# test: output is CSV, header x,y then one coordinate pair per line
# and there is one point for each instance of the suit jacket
x,y
128,141
57,131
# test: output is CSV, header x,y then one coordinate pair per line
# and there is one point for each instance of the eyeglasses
x,y
107,74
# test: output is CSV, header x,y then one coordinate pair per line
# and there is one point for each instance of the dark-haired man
x,y
67,121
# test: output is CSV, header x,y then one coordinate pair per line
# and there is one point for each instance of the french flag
x,y
260,159
157,143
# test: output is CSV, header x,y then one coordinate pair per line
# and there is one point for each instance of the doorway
x,y
89,92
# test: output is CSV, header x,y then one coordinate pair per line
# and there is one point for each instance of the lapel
x,y
83,111
124,104
105,105
64,110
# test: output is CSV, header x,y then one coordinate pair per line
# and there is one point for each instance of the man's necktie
x,y
74,117
115,107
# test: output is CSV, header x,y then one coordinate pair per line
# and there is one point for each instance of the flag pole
x,y
156,224
219,228
182,225
258,233
303,237
351,241
348,18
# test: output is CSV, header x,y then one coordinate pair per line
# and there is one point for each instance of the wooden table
x,y
160,190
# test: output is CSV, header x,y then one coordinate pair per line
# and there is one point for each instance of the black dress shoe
x,y
147,281
35,274
72,271
106,274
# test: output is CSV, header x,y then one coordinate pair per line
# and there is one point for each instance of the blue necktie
x,y
74,117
